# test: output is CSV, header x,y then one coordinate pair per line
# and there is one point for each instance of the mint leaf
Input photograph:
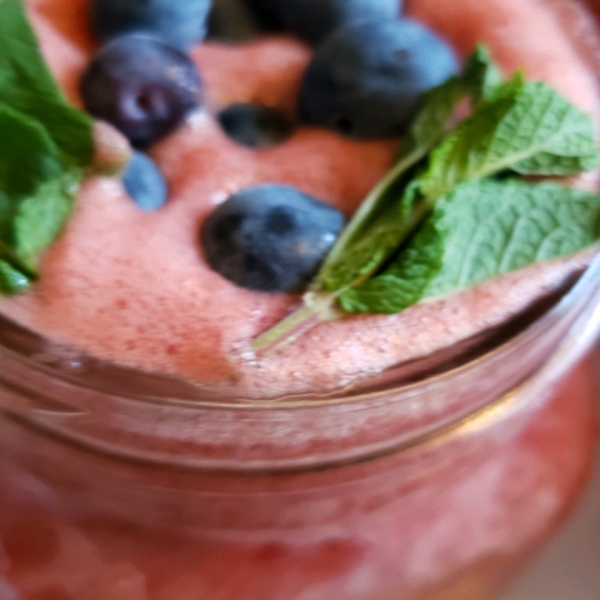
x,y
484,81
6,217
496,227
480,230
28,156
27,84
377,244
45,145
40,218
439,105
403,284
479,81
12,281
364,254
556,129
481,76
534,132
32,209
462,153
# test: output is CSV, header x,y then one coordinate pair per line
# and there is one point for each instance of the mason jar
x,y
433,481
436,480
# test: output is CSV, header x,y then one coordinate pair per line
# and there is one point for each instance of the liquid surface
x,y
134,288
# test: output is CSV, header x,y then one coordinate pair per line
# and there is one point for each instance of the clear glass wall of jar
x,y
122,486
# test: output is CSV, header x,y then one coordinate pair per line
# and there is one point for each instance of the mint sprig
x,y
454,186
531,131
46,144
479,230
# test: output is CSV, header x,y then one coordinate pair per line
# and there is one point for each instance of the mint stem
x,y
317,308
9,255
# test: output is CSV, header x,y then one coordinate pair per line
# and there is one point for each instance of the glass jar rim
x,y
284,434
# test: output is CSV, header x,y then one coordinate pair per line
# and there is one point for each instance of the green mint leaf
x,y
481,75
45,145
497,227
10,257
27,85
366,255
561,133
12,281
479,80
534,131
507,89
403,284
484,81
41,218
439,105
7,210
480,230
28,156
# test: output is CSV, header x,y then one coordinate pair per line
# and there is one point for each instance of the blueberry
x,y
145,183
180,23
314,20
233,21
142,86
367,79
255,125
270,238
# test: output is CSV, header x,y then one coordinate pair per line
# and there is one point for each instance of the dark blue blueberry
x,y
232,21
145,183
255,125
366,80
270,238
314,20
180,23
142,86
